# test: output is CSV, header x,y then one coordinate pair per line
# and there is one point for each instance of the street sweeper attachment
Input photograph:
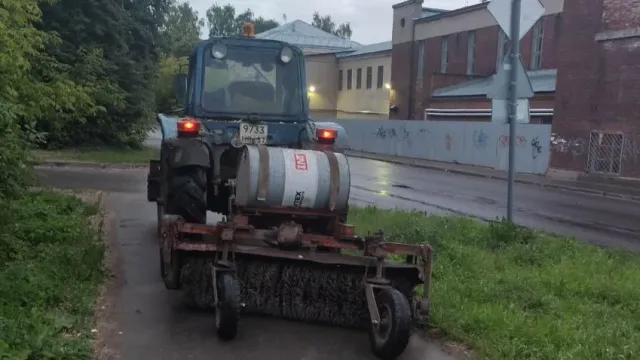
x,y
301,261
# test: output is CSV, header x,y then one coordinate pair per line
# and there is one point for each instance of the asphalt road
x,y
152,324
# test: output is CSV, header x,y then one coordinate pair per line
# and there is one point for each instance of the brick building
x,y
583,59
453,54
597,107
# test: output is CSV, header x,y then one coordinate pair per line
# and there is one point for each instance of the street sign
x,y
531,12
499,89
500,115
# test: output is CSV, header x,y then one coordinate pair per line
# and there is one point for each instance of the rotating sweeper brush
x,y
286,251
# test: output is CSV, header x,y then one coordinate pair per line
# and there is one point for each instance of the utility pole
x,y
513,101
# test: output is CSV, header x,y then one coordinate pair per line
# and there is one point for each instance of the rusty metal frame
x,y
237,236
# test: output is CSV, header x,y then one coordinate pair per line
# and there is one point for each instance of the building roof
x,y
305,35
436,14
366,50
426,12
542,81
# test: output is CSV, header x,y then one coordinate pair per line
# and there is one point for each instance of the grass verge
x,y
50,271
512,293
100,155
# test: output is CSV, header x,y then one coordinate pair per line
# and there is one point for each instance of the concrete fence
x,y
470,143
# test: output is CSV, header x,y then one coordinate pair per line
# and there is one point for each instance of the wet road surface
x,y
154,325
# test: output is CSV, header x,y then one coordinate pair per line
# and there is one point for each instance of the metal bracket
x,y
334,179
263,174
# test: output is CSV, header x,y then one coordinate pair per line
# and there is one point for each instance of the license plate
x,y
253,134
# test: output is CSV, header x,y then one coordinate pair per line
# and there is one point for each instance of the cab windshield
x,y
252,81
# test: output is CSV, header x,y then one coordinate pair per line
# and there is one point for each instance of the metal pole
x,y
513,101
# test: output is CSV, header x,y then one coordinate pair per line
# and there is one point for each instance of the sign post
x,y
515,17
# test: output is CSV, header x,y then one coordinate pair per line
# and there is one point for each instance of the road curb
x,y
410,162
86,164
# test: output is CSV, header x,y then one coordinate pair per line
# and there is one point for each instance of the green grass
x,y
511,293
50,271
101,155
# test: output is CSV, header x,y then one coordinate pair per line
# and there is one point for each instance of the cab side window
x,y
191,81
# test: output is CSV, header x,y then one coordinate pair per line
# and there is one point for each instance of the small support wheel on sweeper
x,y
227,304
390,335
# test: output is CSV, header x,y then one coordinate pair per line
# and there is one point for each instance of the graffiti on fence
x,y
536,148
573,146
383,133
521,141
447,141
480,139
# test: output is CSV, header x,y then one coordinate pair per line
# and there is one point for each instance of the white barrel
x,y
292,178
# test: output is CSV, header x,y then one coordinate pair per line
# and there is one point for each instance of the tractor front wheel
x,y
390,336
228,306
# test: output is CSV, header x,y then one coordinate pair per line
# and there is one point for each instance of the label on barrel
x,y
301,178
301,161
297,200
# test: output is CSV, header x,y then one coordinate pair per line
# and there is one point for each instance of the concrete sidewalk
x,y
628,190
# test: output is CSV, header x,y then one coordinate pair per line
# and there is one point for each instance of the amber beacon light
x,y
248,30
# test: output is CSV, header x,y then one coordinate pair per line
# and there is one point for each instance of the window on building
x,y
536,45
380,77
349,75
359,78
369,77
444,51
503,48
339,80
421,60
471,51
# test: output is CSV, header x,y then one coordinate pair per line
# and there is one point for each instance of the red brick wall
x,y
400,55
485,62
598,86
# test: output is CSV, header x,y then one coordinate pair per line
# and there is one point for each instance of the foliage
x,y
260,24
222,21
50,269
181,30
166,102
327,24
32,85
109,47
513,293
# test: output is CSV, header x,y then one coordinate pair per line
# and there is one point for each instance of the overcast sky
x,y
370,19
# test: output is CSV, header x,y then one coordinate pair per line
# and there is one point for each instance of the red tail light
x,y
326,135
188,127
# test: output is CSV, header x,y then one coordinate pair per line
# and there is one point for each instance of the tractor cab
x,y
233,78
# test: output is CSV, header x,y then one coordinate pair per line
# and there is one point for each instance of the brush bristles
x,y
329,294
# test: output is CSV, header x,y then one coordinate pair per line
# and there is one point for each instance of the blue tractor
x,y
247,149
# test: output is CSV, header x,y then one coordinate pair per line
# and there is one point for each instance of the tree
x,y
327,24
112,50
33,85
261,24
181,30
222,21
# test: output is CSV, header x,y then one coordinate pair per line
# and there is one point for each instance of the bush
x,y
50,269
513,293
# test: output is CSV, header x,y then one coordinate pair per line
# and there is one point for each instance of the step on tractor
x,y
246,149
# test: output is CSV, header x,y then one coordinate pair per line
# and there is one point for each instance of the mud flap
x,y
153,181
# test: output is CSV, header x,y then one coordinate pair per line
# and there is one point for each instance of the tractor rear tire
x,y
187,194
